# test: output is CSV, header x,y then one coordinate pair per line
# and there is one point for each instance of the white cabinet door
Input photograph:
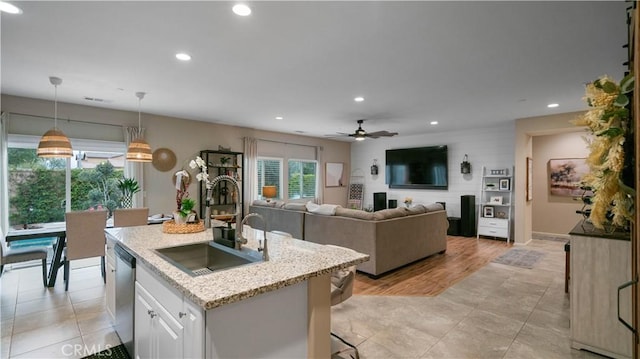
x,y
143,323
192,318
168,335
111,290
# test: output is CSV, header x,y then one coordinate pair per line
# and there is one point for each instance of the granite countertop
x,y
586,229
291,261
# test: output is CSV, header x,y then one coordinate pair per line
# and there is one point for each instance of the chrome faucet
x,y
240,239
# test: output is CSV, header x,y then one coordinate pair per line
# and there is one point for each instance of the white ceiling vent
x,y
95,99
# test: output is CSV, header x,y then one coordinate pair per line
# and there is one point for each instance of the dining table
x,y
43,230
59,231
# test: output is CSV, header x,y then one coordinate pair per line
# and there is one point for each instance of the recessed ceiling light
x,y
358,99
279,117
9,8
553,105
241,10
183,57
433,122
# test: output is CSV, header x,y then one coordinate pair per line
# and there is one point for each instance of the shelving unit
x,y
495,205
224,198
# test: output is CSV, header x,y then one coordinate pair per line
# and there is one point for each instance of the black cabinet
x,y
225,196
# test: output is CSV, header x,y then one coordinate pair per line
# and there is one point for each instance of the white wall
x,y
492,147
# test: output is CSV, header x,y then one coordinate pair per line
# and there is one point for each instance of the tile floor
x,y
51,323
498,312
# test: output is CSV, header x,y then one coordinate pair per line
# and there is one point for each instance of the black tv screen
x,y
422,167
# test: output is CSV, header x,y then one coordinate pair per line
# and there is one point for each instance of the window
x,y
39,188
269,174
302,179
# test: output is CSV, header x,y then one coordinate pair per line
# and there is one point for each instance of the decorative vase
x,y
178,218
127,201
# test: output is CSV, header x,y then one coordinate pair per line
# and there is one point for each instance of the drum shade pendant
x,y
139,150
54,143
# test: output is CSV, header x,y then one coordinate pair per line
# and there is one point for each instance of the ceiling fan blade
x,y
381,134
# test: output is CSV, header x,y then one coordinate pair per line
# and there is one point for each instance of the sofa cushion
x,y
259,202
434,207
293,206
354,213
279,204
324,209
390,213
416,209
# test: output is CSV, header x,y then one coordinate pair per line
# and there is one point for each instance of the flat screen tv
x,y
417,168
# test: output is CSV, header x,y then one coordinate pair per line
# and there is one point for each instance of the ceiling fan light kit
x,y
361,134
54,143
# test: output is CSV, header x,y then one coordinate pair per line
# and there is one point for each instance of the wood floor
x,y
431,276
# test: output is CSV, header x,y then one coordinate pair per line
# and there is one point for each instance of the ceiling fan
x,y
361,134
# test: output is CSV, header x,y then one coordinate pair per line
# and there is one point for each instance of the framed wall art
x,y
488,211
529,187
565,175
505,184
334,173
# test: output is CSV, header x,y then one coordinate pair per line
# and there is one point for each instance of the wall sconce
x,y
465,166
374,167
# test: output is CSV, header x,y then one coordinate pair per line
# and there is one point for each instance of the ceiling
x,y
463,64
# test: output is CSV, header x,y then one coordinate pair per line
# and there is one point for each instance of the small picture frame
x,y
495,200
505,184
488,211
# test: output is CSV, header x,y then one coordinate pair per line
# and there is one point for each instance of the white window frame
x,y
301,192
280,179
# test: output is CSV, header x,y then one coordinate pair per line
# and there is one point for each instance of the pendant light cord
x,y
55,107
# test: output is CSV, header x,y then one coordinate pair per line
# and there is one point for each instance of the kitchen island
x,y
278,308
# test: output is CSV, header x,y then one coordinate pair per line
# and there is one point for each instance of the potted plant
x,y
225,161
128,187
186,210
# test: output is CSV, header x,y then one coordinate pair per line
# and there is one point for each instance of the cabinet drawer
x,y
493,231
494,222
170,298
110,252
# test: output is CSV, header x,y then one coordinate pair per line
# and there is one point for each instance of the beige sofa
x,y
391,237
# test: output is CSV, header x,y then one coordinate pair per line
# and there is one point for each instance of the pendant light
x,y
54,143
139,150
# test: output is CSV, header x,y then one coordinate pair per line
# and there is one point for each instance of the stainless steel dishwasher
x,y
125,296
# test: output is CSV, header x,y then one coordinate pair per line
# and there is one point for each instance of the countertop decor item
x,y
609,121
163,159
171,226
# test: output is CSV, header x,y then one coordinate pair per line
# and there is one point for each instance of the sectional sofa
x,y
391,237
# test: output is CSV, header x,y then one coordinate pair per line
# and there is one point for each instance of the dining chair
x,y
127,217
10,255
85,239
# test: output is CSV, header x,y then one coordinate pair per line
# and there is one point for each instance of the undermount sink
x,y
204,258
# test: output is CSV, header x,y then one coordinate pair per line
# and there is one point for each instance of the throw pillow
x,y
390,213
295,206
324,209
259,202
354,213
434,207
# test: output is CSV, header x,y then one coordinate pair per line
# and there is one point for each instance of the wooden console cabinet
x,y
599,264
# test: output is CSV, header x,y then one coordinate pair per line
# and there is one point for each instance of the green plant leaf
x,y
627,84
609,87
611,132
621,101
